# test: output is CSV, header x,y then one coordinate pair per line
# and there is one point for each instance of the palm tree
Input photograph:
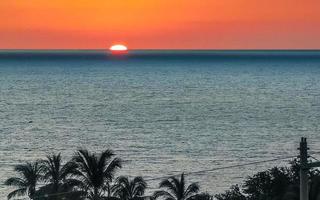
x,y
127,189
176,189
29,176
58,176
95,171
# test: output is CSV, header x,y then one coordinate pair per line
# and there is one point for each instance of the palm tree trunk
x,y
32,192
95,193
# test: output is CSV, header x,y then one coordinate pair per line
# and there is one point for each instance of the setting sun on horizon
x,y
118,47
160,24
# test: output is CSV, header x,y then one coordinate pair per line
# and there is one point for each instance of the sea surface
x,y
162,112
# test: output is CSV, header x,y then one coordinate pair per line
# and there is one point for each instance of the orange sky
x,y
160,24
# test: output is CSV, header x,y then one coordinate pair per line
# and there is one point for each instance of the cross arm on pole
x,y
313,164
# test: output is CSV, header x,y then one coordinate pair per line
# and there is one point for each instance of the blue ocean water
x,y
163,112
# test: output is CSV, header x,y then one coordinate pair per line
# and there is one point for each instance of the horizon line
x,y
151,49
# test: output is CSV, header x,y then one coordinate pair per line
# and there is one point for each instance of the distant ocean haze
x,y
163,112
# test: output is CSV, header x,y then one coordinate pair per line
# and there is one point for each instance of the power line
x,y
198,172
315,152
315,158
194,172
226,167
215,169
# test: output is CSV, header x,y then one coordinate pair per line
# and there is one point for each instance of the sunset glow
x,y
160,24
118,47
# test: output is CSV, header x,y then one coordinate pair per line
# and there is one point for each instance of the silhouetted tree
x,y
29,175
233,194
58,177
127,189
274,184
268,185
175,189
95,171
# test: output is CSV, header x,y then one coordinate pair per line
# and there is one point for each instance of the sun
x,y
118,48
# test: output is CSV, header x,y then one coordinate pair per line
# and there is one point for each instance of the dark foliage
x,y
233,194
176,189
278,183
29,175
126,189
90,176
95,171
58,178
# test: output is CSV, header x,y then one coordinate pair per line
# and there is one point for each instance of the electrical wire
x,y
196,172
226,167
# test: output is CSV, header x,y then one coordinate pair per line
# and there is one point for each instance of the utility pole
x,y
304,169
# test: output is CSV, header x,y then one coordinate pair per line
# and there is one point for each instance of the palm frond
x,y
69,169
192,189
111,169
171,185
18,192
163,194
81,159
121,187
139,186
15,181
104,157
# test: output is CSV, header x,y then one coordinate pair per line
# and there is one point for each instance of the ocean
x,y
162,112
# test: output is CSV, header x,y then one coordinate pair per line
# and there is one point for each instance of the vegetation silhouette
x,y
58,178
176,189
126,189
92,176
95,171
278,183
29,176
233,194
